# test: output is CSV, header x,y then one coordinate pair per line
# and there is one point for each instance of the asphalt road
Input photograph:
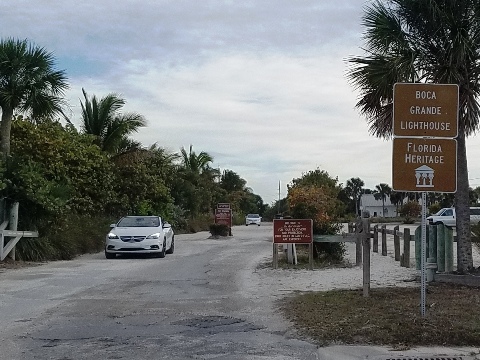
x,y
198,303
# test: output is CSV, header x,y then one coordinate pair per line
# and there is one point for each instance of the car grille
x,y
132,238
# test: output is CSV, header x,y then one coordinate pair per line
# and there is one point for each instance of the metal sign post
x,y
425,124
423,289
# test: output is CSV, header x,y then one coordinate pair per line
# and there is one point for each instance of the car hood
x,y
136,231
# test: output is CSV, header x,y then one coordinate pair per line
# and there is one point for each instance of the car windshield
x,y
140,221
253,216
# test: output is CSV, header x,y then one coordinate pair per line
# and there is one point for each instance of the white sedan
x,y
253,219
140,235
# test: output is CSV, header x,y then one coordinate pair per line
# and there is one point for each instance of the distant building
x,y
374,207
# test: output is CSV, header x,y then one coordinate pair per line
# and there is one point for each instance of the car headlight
x,y
153,236
112,236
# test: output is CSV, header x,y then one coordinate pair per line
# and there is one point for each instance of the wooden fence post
x,y
432,242
375,238
358,244
13,223
384,240
406,248
396,242
440,248
351,228
448,249
275,256
418,248
366,255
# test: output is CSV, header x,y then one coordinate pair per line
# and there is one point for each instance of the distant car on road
x,y
140,235
253,219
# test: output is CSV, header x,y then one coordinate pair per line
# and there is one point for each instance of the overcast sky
x,y
260,85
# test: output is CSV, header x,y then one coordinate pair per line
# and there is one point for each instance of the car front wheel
x,y
172,246
162,254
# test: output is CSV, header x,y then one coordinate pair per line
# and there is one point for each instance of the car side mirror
x,y
112,225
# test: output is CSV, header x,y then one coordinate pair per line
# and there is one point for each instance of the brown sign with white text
x,y
425,110
424,165
292,231
223,216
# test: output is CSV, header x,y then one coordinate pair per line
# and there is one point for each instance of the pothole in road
x,y
221,322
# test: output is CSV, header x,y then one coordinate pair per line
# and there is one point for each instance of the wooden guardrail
x,y
10,237
379,236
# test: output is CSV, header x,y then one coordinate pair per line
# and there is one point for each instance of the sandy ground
x,y
384,272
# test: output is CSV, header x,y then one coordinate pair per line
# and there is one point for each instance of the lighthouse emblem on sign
x,y
424,175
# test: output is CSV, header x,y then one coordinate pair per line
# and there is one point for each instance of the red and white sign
x,y
223,216
223,206
292,231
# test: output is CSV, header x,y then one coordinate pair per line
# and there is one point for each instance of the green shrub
x,y
219,230
66,238
434,208
410,211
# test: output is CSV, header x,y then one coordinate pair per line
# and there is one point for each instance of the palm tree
x,y
354,189
230,181
102,118
396,198
28,83
195,163
423,41
380,193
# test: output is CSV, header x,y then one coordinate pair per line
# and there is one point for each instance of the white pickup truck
x,y
447,217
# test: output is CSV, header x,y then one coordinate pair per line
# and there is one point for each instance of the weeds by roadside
x,y
389,316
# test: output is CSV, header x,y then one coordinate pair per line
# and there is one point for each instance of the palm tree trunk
x,y
5,128
462,207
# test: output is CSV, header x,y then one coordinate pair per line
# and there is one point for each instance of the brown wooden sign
x,y
424,165
223,216
292,231
425,110
223,206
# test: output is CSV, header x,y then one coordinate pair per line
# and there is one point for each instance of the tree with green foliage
x,y
28,84
230,181
380,193
315,196
396,198
423,41
197,185
111,128
55,169
410,211
354,189
193,162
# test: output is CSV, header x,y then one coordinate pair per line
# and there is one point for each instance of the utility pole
x,y
278,210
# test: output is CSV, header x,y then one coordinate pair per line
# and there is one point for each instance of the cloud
x,y
260,85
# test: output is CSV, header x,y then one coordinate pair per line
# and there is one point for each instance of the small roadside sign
x,y
425,110
223,206
223,216
292,231
424,165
